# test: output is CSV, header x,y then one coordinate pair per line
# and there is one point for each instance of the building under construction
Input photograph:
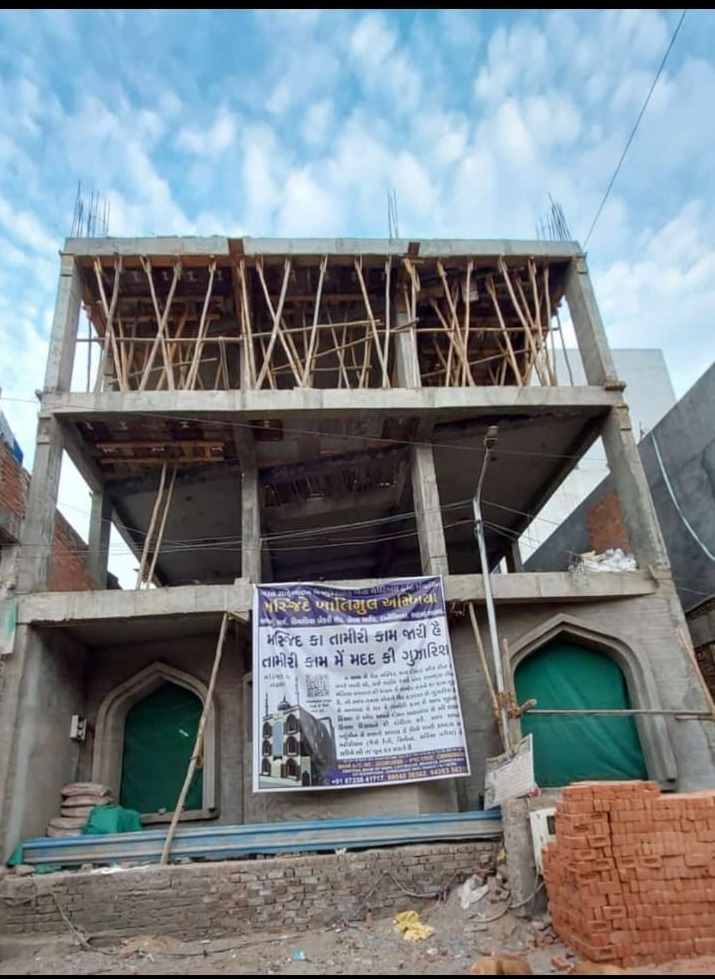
x,y
250,410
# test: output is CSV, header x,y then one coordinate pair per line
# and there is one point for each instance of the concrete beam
x,y
290,472
400,402
64,608
380,499
430,248
171,247
219,246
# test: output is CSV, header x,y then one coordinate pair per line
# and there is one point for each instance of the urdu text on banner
x,y
354,687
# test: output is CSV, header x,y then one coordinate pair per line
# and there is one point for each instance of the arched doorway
x,y
159,737
567,675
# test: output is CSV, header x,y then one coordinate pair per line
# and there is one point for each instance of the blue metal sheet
x,y
221,842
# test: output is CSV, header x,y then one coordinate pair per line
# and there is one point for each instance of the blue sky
x,y
299,122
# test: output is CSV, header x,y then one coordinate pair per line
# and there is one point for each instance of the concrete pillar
x,y
588,326
100,526
514,563
41,505
406,360
644,536
433,548
250,526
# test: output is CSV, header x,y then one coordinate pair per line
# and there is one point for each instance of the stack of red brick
x,y
631,876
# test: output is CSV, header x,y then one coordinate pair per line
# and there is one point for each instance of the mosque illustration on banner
x,y
295,745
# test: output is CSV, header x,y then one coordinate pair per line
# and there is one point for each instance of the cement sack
x,y
76,823
85,800
76,812
57,833
86,788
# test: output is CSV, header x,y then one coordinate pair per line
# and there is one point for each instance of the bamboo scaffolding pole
x,y
248,353
565,351
162,527
543,349
627,712
198,744
373,324
109,310
388,310
203,326
340,354
467,304
455,317
152,524
276,314
537,309
521,305
122,355
89,353
448,332
354,324
174,351
223,358
270,374
487,674
314,328
162,320
505,335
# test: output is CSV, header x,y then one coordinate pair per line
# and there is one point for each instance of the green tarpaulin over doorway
x,y
565,675
159,736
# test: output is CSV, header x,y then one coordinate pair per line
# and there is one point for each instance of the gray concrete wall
x,y
43,758
642,635
685,438
193,655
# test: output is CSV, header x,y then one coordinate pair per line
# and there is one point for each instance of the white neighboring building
x,y
649,395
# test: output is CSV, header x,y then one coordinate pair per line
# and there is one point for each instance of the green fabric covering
x,y
567,676
159,737
112,819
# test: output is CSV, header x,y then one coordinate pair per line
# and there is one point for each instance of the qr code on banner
x,y
317,687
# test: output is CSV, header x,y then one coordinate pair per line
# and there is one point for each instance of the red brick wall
x,y
14,482
631,876
606,528
67,563
705,656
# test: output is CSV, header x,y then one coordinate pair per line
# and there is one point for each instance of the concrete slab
x,y
422,402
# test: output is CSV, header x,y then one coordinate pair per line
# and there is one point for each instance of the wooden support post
x,y
198,744
162,526
276,315
505,333
162,319
487,673
109,309
310,346
201,333
150,530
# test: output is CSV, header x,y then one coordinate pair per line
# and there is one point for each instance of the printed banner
x,y
511,775
354,687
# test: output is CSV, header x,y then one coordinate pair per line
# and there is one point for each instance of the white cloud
x,y
210,141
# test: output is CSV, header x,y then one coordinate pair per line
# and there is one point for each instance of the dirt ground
x,y
370,947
